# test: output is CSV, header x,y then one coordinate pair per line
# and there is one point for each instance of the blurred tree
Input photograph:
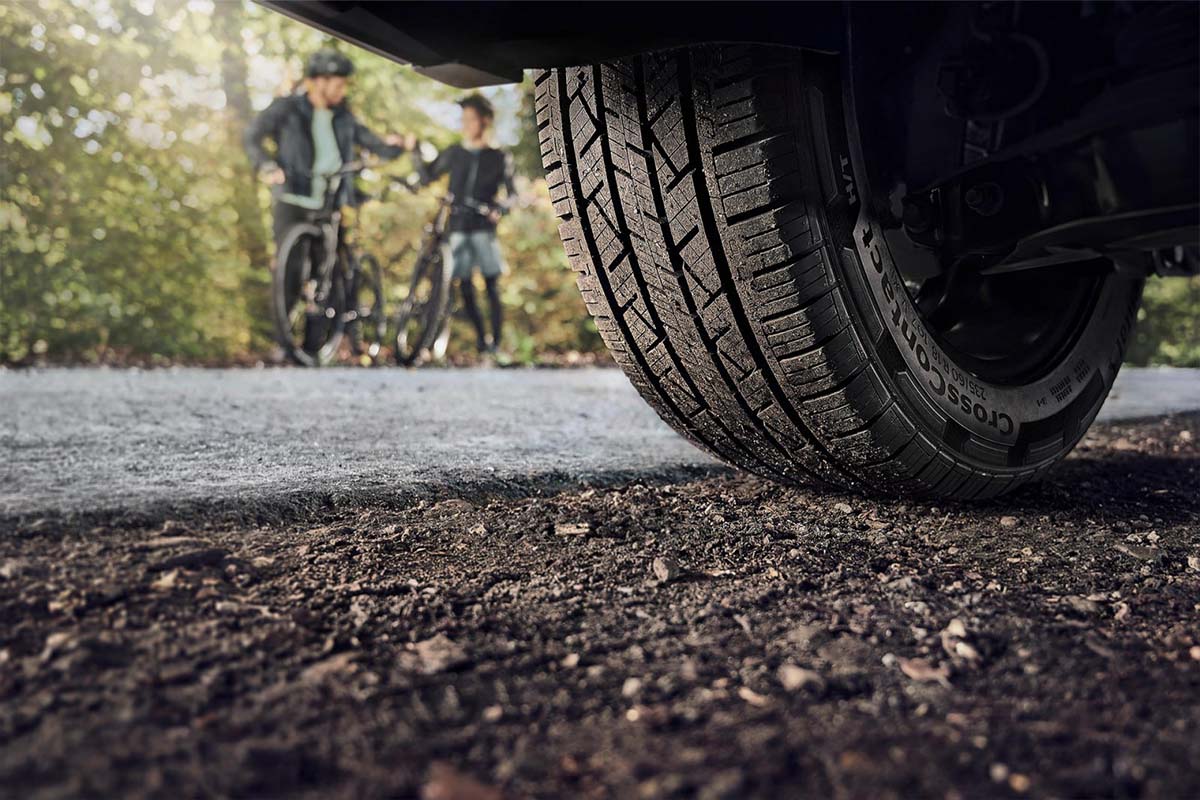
x,y
527,152
243,191
1168,324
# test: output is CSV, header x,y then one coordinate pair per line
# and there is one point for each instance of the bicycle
x,y
322,285
423,319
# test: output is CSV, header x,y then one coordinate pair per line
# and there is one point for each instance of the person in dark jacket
x,y
313,133
477,173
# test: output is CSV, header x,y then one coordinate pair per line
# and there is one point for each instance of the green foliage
x,y
1168,331
115,233
130,225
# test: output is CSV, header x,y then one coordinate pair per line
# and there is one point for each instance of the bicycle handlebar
x,y
466,203
472,205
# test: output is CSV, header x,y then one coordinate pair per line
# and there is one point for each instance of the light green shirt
x,y
326,158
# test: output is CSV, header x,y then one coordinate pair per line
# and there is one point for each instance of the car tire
x,y
710,203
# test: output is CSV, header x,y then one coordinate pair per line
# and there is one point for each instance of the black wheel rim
x,y
1009,328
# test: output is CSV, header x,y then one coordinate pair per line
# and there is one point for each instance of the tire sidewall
x,y
998,417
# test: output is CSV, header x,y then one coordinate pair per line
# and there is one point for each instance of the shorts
x,y
466,250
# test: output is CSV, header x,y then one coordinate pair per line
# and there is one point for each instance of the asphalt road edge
x,y
302,506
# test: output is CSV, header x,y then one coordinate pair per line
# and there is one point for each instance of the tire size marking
x,y
967,397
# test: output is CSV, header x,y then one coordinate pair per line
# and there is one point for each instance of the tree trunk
x,y
227,21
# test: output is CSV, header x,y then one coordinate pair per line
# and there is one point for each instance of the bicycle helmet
x,y
328,63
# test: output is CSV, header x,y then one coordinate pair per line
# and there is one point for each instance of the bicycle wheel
x,y
422,313
366,317
306,299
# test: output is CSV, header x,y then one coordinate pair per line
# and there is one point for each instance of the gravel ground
x,y
712,636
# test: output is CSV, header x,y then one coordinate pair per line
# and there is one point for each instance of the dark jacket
x,y
477,175
288,123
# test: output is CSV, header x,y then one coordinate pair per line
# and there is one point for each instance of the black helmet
x,y
328,62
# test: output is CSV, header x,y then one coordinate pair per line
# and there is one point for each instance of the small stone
x,y
848,656
665,569
807,637
439,654
1018,782
1009,522
1138,552
794,678
922,671
570,661
968,652
1193,563
843,508
1082,605
192,559
753,698
631,687
904,583
453,507
1194,652
54,643
572,528
957,628
493,714
165,582
998,772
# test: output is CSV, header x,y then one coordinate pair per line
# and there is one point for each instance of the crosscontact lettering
x,y
968,397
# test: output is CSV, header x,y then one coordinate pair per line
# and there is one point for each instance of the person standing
x,y
478,171
313,133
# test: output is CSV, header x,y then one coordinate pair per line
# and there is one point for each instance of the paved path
x,y
106,440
